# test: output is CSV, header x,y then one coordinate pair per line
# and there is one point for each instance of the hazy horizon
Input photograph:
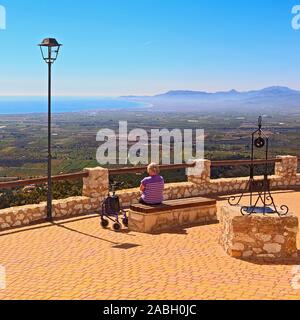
x,y
42,96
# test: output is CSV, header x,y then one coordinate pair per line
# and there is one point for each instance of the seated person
x,y
152,187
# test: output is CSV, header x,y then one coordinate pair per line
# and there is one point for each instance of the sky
x,y
124,47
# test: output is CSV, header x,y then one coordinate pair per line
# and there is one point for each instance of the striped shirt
x,y
154,189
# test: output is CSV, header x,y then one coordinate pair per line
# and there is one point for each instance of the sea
x,y
29,105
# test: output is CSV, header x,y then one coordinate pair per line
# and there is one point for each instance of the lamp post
x,y
49,49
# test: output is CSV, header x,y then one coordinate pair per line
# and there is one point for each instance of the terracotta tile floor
x,y
76,259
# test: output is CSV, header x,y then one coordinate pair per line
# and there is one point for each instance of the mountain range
x,y
274,98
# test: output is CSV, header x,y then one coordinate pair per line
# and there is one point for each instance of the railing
x,y
236,163
131,170
28,182
115,172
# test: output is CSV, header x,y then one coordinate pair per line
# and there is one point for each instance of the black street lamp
x,y
49,49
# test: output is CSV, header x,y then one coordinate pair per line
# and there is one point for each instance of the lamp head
x,y
50,49
50,42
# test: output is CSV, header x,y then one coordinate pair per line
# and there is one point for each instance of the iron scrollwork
x,y
258,190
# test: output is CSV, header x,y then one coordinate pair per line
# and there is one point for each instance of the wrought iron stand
x,y
261,200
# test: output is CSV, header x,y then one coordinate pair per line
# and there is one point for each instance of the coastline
x,y
10,106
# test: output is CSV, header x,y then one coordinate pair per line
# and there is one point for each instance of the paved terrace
x,y
76,259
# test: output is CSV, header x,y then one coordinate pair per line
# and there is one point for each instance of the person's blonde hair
x,y
153,168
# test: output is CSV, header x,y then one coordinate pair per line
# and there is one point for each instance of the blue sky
x,y
118,47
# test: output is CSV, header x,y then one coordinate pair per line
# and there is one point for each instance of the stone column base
x,y
258,236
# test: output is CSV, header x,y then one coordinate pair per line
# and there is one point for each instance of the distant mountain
x,y
274,98
279,90
275,90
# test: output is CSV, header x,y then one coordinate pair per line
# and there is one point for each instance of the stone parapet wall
x,y
96,187
22,216
25,215
258,236
75,206
129,196
214,187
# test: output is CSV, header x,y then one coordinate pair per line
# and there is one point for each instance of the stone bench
x,y
172,214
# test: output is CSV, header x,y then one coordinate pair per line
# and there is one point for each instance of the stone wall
x,y
24,215
258,236
287,171
95,189
200,184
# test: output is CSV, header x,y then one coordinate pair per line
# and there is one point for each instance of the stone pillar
x,y
287,169
200,174
96,185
